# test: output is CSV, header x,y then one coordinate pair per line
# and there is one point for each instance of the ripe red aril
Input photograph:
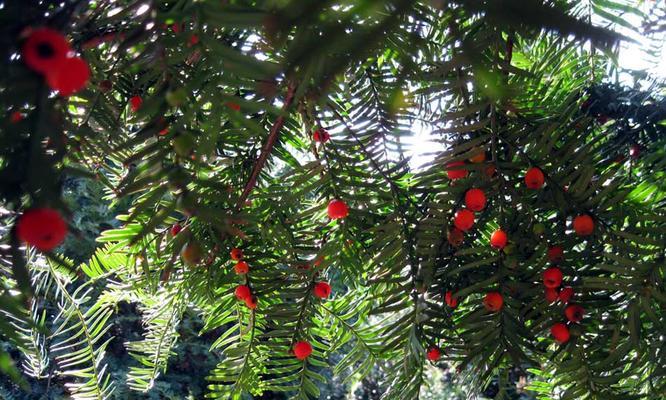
x,y
493,301
583,225
45,50
70,77
321,135
242,292
322,290
191,253
498,239
574,312
464,220
175,229
566,294
241,268
475,199
555,254
236,254
552,277
450,300
455,237
251,302
478,157
454,171
560,332
135,103
433,354
551,295
534,178
42,228
337,209
233,106
15,117
302,350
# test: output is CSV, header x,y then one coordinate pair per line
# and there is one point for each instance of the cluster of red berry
x,y
475,201
48,52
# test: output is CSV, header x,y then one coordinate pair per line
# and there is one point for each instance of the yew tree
x,y
408,184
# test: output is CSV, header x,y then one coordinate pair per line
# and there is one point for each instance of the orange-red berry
x,y
552,277
498,239
566,294
251,302
433,354
560,332
455,237
583,225
321,135
242,292
42,228
450,300
464,220
322,290
574,312
175,229
302,350
135,103
70,77
493,301
475,199
45,50
337,209
241,268
555,254
551,295
454,171
236,254
534,178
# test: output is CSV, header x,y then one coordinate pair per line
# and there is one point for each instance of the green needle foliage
x,y
231,95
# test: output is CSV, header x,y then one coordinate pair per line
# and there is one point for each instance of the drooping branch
x,y
268,146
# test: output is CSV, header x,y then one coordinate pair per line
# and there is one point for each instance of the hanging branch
x,y
268,147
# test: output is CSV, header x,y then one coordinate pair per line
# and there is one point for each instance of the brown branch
x,y
267,148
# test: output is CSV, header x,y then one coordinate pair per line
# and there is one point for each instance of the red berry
x,y
42,228
454,172
176,28
498,239
574,312
194,39
433,354
583,225
70,77
135,103
236,254
241,268
464,220
15,117
233,106
534,178
478,157
552,277
560,332
175,229
321,135
490,171
555,254
251,302
566,294
475,199
635,151
242,292
455,237
191,253
551,295
45,50
337,209
322,290
302,350
450,300
493,301
164,132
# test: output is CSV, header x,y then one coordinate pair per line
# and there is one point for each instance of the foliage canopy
x,y
222,143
